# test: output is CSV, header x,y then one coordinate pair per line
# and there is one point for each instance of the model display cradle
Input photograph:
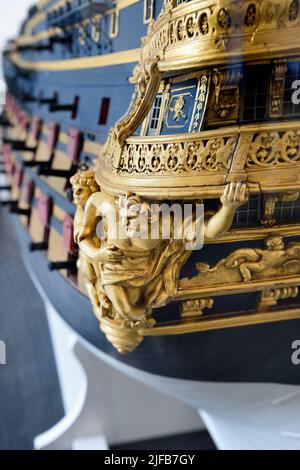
x,y
213,120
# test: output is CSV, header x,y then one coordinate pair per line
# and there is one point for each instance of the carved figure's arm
x,y
235,195
86,237
90,216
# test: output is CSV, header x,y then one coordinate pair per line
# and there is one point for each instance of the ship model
x,y
208,94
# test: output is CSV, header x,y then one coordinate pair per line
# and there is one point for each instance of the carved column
x,y
277,88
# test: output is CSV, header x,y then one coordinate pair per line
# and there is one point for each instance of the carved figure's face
x,y
275,243
81,194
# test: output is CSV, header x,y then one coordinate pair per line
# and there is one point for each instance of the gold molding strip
x,y
206,59
257,233
121,4
221,132
221,322
41,16
43,3
196,290
115,58
25,40
34,21
118,5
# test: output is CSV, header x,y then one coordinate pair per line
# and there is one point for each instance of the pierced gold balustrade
x,y
199,165
206,32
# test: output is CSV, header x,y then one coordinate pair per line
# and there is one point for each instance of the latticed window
x,y
256,93
155,115
291,108
286,211
248,214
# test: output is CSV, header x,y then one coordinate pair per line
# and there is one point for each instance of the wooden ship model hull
x,y
212,105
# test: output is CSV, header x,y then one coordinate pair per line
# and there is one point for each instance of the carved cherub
x,y
252,262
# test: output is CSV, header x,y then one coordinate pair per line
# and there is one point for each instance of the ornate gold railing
x,y
189,156
267,156
212,30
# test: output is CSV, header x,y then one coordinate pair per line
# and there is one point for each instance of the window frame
x,y
148,4
237,224
114,23
242,119
146,126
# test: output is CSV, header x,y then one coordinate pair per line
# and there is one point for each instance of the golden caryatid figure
x,y
203,126
127,277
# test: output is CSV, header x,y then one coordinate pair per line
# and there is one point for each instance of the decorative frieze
x,y
194,308
274,148
213,155
247,265
270,297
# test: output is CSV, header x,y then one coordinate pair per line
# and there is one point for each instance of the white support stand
x,y
272,424
81,402
101,405
238,416
98,410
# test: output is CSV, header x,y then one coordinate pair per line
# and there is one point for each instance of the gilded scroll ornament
x,y
214,155
274,148
195,307
148,80
294,10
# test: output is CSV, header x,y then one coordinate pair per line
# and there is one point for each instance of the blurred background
x,y
12,13
93,406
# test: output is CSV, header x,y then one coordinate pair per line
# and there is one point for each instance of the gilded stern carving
x,y
204,125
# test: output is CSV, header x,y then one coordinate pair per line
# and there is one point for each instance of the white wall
x,y
12,13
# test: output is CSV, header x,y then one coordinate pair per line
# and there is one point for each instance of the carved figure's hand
x,y
109,254
235,195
